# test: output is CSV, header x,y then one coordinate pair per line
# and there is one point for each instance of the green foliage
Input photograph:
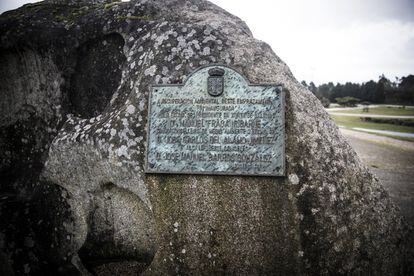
x,y
312,88
383,110
347,101
400,91
325,102
392,121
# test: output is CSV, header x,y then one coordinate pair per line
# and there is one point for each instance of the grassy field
x,y
351,122
395,111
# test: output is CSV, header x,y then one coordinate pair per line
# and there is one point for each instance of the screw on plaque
x,y
215,82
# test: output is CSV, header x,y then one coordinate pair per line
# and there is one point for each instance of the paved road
x,y
387,132
368,137
369,115
392,161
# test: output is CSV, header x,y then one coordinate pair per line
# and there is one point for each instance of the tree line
x,y
383,91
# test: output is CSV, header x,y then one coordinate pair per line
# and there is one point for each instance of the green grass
x,y
395,111
351,122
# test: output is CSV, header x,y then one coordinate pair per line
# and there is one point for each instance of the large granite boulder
x,y
74,196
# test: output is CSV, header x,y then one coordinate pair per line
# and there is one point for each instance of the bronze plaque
x,y
216,123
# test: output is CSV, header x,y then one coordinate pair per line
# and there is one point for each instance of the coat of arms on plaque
x,y
215,82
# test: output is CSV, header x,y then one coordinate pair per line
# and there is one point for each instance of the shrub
x,y
347,101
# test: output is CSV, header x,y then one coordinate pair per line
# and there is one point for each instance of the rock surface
x,y
74,197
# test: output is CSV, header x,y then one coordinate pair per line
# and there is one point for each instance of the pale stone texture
x,y
329,215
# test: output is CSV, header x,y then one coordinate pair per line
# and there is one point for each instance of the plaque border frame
x,y
147,170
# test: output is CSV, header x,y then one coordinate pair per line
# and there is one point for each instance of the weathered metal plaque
x,y
216,123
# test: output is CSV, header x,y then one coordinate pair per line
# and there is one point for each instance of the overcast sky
x,y
328,40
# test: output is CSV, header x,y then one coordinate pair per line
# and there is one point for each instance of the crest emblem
x,y
215,82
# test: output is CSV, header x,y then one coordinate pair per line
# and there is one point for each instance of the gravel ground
x,y
392,161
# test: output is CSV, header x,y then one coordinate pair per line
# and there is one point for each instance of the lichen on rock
x,y
76,78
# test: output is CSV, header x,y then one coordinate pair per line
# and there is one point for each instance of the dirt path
x,y
392,161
